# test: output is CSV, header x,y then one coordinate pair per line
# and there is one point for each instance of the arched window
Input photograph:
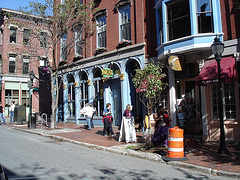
x,y
71,96
98,102
83,84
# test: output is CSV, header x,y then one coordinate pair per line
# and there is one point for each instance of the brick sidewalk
x,y
202,154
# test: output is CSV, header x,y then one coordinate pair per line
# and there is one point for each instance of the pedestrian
x,y
127,132
92,124
1,114
161,130
107,120
88,111
12,107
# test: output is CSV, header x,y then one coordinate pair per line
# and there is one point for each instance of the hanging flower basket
x,y
124,43
100,50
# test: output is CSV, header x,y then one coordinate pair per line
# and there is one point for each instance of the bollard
x,y
175,145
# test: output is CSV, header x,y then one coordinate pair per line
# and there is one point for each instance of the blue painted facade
x,y
195,40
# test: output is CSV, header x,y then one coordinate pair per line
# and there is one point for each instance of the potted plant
x,y
124,43
77,57
100,50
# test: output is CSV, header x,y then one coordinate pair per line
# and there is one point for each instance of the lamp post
x,y
217,49
31,76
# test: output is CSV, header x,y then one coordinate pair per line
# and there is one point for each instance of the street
x,y
28,156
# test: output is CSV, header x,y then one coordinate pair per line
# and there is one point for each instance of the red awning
x,y
209,72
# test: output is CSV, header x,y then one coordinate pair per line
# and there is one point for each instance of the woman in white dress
x,y
127,132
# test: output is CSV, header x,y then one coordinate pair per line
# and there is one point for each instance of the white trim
x,y
175,139
175,149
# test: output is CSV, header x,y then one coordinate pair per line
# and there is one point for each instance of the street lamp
x,y
31,76
217,49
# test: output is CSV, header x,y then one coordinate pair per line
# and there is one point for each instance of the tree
x,y
149,85
52,22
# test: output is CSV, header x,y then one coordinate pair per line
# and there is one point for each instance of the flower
x,y
124,43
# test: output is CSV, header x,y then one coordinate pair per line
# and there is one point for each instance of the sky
x,y
15,4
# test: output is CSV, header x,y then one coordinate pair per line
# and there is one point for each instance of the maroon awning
x,y
209,72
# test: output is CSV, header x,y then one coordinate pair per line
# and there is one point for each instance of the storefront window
x,y
178,19
83,89
229,98
98,101
25,98
11,95
71,96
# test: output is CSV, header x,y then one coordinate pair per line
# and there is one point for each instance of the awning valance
x,y
209,72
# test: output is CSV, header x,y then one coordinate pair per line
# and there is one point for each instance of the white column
x,y
172,97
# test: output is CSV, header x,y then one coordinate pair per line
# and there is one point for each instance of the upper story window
x,y
64,47
125,25
78,40
160,30
1,38
204,16
178,19
43,39
26,35
43,62
25,69
12,63
101,31
13,35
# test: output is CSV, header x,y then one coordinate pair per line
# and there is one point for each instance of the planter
x,y
78,57
100,50
124,43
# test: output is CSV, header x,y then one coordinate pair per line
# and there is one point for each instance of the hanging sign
x,y
174,63
106,72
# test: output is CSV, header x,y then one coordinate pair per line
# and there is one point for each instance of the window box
x,y
62,62
100,50
77,57
124,43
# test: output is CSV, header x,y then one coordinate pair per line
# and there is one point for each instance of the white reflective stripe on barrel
x,y
175,149
175,139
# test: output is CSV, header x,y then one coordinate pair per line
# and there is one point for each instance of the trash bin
x,y
33,120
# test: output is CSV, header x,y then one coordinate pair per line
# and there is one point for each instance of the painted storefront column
x,y
172,97
77,97
65,97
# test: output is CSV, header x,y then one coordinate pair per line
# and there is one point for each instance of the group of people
x,y
11,110
127,130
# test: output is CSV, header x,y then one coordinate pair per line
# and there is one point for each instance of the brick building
x,y
101,71
18,58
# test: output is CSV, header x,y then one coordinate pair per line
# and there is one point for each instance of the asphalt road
x,y
28,156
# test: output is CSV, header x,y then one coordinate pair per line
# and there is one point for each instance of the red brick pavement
x,y
203,154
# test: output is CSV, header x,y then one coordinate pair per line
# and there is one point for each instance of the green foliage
x,y
149,84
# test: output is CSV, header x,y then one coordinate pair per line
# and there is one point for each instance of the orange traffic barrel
x,y
175,145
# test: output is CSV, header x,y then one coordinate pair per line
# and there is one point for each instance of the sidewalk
x,y
201,157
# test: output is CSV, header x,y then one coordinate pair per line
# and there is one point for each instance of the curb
x,y
143,155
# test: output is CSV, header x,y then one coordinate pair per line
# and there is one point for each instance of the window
x,y
43,62
160,31
178,19
25,98
1,40
101,31
11,95
12,61
78,41
204,16
98,102
13,35
26,37
25,65
83,89
64,47
125,26
43,39
229,101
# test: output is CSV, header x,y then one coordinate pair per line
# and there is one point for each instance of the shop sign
x,y
174,63
106,72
